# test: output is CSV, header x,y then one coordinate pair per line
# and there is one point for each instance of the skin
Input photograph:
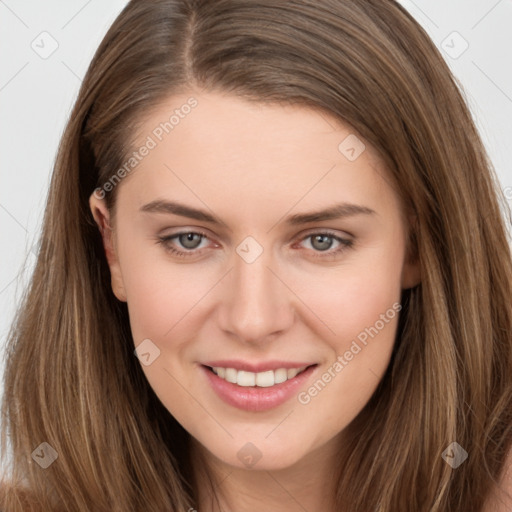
x,y
252,165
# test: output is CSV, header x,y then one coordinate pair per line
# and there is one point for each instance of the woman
x,y
273,273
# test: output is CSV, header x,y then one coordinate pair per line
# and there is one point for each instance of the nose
x,y
256,303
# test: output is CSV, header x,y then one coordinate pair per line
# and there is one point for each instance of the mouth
x,y
257,391
265,379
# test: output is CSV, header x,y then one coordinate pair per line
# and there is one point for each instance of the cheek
x,y
359,303
364,320
160,292
352,296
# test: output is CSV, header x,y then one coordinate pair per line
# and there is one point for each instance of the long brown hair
x,y
72,380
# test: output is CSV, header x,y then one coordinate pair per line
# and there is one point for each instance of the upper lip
x,y
256,367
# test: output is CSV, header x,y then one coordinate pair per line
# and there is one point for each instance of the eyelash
x,y
344,244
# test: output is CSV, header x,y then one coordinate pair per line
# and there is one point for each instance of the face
x,y
264,238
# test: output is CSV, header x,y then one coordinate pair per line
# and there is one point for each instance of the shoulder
x,y
500,499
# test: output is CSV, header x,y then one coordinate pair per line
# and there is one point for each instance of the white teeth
x,y
292,372
280,375
265,379
261,379
246,378
231,375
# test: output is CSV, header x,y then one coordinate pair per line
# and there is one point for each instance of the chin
x,y
253,456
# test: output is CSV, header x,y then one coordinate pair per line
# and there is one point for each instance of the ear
x,y
411,271
102,218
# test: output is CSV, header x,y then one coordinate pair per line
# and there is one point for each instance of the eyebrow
x,y
336,211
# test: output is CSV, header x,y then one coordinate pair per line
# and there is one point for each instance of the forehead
x,y
239,125
239,154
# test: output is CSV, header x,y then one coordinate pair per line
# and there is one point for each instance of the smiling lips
x,y
257,387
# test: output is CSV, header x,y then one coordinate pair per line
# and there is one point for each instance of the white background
x,y
36,96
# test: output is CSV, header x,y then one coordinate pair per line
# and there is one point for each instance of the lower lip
x,y
257,398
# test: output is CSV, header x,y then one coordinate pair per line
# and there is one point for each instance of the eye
x,y
322,242
189,240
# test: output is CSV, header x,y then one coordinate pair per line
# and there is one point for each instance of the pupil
x,y
325,245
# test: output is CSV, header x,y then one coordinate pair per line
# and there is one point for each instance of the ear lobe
x,y
101,216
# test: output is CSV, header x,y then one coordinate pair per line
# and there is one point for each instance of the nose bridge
x,y
256,304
